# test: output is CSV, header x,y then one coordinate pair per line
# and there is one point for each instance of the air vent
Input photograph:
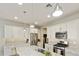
x,y
24,11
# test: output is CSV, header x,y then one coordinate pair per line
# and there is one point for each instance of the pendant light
x,y
57,11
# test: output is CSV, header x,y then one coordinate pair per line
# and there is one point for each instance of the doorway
x,y
33,38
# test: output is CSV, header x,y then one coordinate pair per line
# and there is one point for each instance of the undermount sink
x,y
41,50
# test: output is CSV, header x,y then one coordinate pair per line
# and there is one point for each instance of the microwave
x,y
61,35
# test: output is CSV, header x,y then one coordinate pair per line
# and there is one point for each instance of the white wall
x,y
4,22
72,28
14,33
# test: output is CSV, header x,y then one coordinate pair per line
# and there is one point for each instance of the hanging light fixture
x,y
57,11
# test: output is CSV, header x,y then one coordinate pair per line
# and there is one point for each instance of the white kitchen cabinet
x,y
63,27
72,30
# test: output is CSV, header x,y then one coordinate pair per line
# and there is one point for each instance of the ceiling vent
x,y
24,11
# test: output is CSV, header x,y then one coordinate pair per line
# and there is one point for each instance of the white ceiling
x,y
35,12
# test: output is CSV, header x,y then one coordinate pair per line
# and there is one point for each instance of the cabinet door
x,y
72,30
63,27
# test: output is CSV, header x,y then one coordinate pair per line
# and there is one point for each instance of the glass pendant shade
x,y
57,12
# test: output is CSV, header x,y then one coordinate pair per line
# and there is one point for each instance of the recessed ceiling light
x,y
48,16
24,30
15,17
32,26
36,23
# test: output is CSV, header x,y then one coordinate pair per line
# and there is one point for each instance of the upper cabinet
x,y
63,27
72,28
